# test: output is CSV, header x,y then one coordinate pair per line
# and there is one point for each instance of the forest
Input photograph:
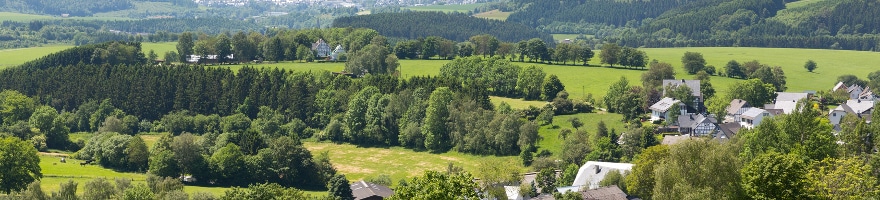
x,y
453,26
734,23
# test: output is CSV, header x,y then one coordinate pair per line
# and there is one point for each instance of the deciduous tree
x,y
21,164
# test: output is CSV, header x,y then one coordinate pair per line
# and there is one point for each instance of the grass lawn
x,y
14,57
22,17
446,8
494,14
358,163
550,133
160,48
516,103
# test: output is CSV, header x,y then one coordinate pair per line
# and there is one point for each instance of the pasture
x,y
359,163
14,57
22,17
159,47
551,141
446,8
494,14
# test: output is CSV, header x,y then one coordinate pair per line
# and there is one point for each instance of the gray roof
x,y
693,84
664,104
856,106
790,96
728,130
852,88
674,139
752,113
604,193
363,189
692,120
736,104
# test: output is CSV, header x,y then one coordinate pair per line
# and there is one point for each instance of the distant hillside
x,y
453,26
77,7
835,24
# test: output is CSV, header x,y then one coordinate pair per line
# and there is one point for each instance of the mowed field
x,y
494,14
446,8
14,57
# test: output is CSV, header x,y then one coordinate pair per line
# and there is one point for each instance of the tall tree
x,y
434,127
611,53
223,48
21,165
843,178
693,62
640,182
529,82
137,153
437,185
657,72
243,48
717,177
734,70
753,91
185,45
339,188
552,87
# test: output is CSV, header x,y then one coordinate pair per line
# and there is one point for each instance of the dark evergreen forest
x,y
453,26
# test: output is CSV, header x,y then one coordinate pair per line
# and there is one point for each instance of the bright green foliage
x,y
228,162
856,135
717,175
265,191
236,123
222,48
436,185
552,87
624,99
34,192
546,180
530,82
636,140
640,182
775,176
569,196
356,117
138,192
185,45
844,178
304,54
693,62
15,106
611,53
575,147
98,189
614,177
137,154
339,188
753,91
657,72
434,127
370,60
66,191
681,93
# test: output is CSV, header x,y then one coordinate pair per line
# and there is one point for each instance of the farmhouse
x,y
660,110
694,85
321,48
862,109
696,124
786,101
753,117
736,108
363,190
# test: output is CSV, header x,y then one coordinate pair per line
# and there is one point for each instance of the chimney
x,y
682,80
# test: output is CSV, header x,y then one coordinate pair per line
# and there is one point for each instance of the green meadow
x,y
21,17
494,14
14,57
446,8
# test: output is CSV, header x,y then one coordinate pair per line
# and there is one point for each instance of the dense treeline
x,y
71,7
453,26
535,12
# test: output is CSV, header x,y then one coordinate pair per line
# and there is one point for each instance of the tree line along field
x,y
580,80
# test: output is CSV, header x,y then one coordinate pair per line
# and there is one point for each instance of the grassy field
x,y
13,57
359,163
560,37
494,14
550,133
446,8
21,17
517,103
160,48
55,173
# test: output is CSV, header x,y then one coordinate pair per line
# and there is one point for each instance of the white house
x,y
854,107
736,108
321,48
694,85
786,101
338,52
660,110
592,172
753,117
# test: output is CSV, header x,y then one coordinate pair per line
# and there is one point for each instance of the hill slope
x,y
453,26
